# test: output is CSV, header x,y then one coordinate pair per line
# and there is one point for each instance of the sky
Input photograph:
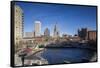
x,y
68,17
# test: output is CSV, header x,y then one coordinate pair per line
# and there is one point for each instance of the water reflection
x,y
61,55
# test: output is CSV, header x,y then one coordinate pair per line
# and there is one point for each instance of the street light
x,y
22,55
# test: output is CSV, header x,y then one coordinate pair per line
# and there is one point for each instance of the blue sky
x,y
68,18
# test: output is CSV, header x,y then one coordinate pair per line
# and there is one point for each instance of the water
x,y
72,55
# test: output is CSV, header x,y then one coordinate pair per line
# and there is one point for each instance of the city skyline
x,y
68,18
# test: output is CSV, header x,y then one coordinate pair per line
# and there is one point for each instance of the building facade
x,y
37,28
83,33
92,35
18,24
47,32
29,34
56,32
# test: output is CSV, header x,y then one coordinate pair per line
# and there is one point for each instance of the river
x,y
61,55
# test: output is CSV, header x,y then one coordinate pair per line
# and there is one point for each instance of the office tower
x,y
18,24
47,32
56,32
37,28
83,33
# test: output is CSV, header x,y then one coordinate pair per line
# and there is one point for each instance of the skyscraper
x,y
56,32
18,24
83,33
37,28
47,32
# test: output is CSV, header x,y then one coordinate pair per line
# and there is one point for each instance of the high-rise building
x,y
18,24
56,32
47,32
83,33
37,28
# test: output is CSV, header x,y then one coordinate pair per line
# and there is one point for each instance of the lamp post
x,y
22,55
